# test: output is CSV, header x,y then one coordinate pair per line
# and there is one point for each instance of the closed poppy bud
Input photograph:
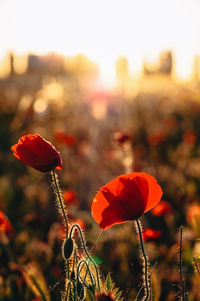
x,y
38,153
68,248
73,275
150,234
125,198
80,290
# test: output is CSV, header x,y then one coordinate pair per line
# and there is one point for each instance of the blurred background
x,y
115,86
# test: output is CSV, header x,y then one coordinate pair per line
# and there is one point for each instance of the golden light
x,y
52,90
40,105
103,30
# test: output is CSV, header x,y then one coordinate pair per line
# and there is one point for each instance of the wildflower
x,y
161,209
121,137
150,234
38,153
125,198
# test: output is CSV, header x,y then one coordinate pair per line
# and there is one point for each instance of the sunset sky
x,y
103,30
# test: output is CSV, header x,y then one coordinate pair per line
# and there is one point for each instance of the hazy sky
x,y
103,29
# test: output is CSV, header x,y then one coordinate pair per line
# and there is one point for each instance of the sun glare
x,y
103,30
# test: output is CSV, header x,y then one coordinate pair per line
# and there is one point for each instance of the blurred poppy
x,y
161,209
155,139
69,196
170,122
108,296
189,137
38,153
150,234
65,139
80,222
125,198
121,137
193,214
5,225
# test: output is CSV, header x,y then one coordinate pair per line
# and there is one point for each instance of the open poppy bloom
x,y
38,153
125,198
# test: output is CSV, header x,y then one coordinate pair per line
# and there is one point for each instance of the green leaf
x,y
118,296
89,296
97,260
109,283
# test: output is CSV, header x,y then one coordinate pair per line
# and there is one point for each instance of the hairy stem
x,y
39,288
145,262
59,197
85,249
181,266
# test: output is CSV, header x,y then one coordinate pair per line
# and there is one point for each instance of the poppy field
x,y
99,189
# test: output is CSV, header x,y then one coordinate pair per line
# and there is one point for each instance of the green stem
x,y
60,200
146,281
39,288
79,269
197,267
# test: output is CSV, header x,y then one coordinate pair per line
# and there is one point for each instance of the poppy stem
x,y
182,286
76,226
145,262
59,197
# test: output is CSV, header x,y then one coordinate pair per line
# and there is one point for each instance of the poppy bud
x,y
91,288
73,275
80,290
68,248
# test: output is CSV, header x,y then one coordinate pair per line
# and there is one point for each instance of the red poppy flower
x,y
125,198
121,137
161,209
69,196
38,153
150,234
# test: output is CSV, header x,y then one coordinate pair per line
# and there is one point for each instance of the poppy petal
x,y
38,153
125,198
